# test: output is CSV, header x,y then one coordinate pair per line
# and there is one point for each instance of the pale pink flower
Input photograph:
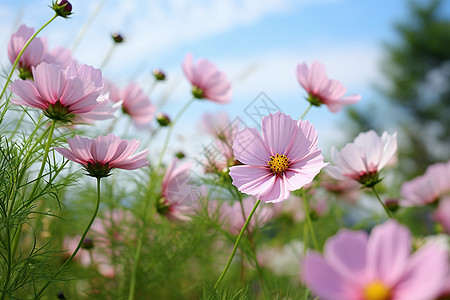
x,y
363,159
427,188
72,94
99,156
380,267
135,103
70,244
442,213
33,55
59,56
283,159
233,219
179,194
207,82
321,89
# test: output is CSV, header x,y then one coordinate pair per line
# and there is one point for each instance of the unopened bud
x,y
87,244
117,37
61,295
180,155
163,119
392,204
62,8
159,75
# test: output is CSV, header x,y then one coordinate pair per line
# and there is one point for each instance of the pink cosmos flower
x,y
283,159
363,159
321,89
71,95
380,267
179,195
33,55
427,188
135,103
207,82
99,156
442,214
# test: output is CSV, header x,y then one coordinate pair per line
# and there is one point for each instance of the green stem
x,y
306,111
97,205
18,58
44,159
238,240
382,204
308,220
137,255
108,55
166,142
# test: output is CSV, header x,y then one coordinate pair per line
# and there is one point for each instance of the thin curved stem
x,y
238,240
308,221
44,159
97,205
306,111
172,124
18,58
382,204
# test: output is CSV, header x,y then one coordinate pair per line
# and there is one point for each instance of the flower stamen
x,y
278,164
377,290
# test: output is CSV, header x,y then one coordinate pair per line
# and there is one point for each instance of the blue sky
x,y
263,39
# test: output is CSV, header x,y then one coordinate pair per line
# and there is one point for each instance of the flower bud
x,y
60,295
159,75
87,244
117,37
62,8
392,204
180,155
163,119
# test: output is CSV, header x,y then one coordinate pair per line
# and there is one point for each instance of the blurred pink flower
x,y
321,89
427,188
345,189
233,220
219,154
135,103
179,195
99,156
72,94
207,82
33,55
363,159
283,159
70,244
59,56
379,267
442,213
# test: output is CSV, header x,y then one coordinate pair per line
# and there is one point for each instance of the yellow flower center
x,y
278,163
377,290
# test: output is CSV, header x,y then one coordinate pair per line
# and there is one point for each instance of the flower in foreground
x,y
178,194
442,213
427,188
135,103
71,95
380,267
283,159
321,89
99,156
207,82
363,159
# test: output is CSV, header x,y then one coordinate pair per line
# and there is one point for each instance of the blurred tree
x,y
417,70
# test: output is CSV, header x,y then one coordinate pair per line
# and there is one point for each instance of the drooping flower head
x,y
32,56
99,156
321,89
380,267
283,159
427,188
178,192
135,103
207,82
363,159
70,95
